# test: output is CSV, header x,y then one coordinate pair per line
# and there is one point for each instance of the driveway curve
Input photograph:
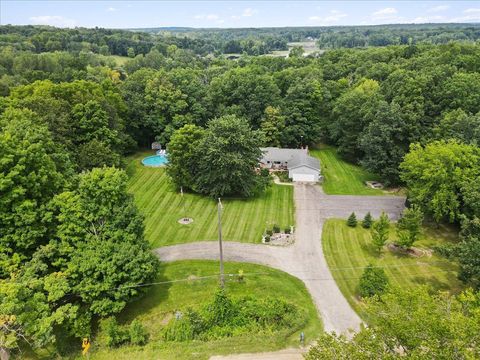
x,y
304,259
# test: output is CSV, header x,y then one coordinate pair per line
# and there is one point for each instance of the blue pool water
x,y
155,160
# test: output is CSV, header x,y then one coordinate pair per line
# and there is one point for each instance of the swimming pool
x,y
155,160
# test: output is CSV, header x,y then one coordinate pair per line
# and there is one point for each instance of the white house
x,y
300,165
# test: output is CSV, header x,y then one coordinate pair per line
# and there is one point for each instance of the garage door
x,y
303,177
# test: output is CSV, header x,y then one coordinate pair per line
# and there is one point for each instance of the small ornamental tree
x,y
367,221
352,220
409,227
374,281
137,333
379,231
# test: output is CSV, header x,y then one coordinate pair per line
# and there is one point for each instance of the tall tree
x,y
409,227
91,266
435,174
385,142
410,324
183,155
229,157
32,170
469,250
245,92
354,110
272,126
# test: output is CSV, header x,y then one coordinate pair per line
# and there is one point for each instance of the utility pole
x,y
222,276
183,202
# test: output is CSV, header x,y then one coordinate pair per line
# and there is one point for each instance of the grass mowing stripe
x,y
348,250
243,220
341,177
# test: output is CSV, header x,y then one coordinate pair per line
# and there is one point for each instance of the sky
x,y
233,14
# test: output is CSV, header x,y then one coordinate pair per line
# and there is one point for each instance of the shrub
x,y
367,221
115,335
449,251
283,176
352,220
222,309
178,330
409,227
267,238
225,317
379,231
241,275
288,230
138,334
374,281
269,232
276,228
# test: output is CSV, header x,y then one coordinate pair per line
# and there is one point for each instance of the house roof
x,y
278,154
303,159
294,157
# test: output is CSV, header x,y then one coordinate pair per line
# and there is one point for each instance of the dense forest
x,y
334,36
409,112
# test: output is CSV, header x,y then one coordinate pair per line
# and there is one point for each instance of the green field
x,y
243,219
348,250
157,307
341,177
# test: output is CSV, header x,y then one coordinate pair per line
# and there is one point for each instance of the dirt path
x,y
304,259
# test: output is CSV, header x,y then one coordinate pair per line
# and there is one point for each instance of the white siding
x,y
304,177
304,173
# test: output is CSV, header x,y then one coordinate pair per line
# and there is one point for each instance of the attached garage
x,y
304,177
304,173
304,169
300,165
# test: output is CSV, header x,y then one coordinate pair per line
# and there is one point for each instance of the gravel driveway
x,y
304,259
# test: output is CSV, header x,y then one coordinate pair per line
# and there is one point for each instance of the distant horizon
x,y
240,28
235,14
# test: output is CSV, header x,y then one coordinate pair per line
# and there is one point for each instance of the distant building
x,y
300,165
156,146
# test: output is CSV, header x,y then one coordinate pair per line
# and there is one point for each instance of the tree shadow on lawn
x,y
371,251
433,282
152,297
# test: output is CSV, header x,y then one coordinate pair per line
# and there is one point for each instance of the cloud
x,y
206,17
213,18
112,9
249,12
333,16
387,15
439,8
428,19
472,11
471,15
384,13
53,20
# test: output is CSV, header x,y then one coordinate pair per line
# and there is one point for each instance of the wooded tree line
x,y
371,103
339,36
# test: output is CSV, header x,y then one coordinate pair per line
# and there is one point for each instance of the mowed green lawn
x,y
160,303
341,177
242,220
349,250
